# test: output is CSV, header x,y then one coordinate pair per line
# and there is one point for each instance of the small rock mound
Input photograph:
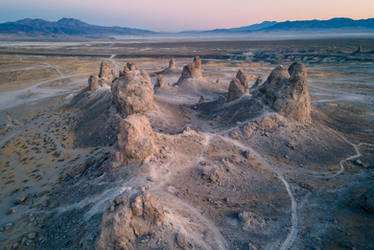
x,y
286,92
133,91
135,139
124,222
238,87
191,70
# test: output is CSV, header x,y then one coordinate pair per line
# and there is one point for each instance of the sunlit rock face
x,y
191,71
286,92
133,91
127,220
238,86
135,139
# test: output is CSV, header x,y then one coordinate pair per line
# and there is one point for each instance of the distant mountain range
x,y
63,27
70,27
334,24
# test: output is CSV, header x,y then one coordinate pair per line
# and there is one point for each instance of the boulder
x,y
238,87
286,92
133,92
135,139
127,220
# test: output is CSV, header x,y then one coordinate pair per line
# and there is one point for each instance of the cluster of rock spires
x,y
285,91
105,77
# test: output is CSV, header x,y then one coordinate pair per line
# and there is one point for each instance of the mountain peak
x,y
70,21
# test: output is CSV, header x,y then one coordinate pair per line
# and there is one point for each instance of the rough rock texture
x,y
191,70
159,82
171,69
124,221
238,87
106,71
135,139
133,92
93,82
286,92
366,201
258,83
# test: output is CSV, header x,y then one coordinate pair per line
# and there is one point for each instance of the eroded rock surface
x,y
125,221
133,91
286,92
159,82
135,139
192,70
238,87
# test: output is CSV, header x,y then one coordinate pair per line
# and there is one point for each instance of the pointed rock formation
x,y
171,69
133,91
286,92
106,72
238,87
135,139
191,70
93,82
159,82
126,221
258,83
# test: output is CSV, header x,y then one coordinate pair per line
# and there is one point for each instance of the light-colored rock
x,y
133,92
135,139
238,86
286,92
106,71
93,82
125,221
191,70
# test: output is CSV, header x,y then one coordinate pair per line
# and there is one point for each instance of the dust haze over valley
x,y
187,142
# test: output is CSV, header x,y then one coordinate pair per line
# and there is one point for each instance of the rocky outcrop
x,y
135,139
366,201
125,221
105,77
93,82
238,87
258,83
286,92
159,82
171,69
191,71
133,91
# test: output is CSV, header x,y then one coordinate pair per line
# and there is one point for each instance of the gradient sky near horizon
x,y
177,15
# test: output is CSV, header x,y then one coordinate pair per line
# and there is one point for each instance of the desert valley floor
x,y
208,173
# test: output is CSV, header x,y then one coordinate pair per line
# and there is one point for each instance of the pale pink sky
x,y
176,15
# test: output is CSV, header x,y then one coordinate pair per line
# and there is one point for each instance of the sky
x,y
178,15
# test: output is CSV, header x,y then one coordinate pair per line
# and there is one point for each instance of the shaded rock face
x,y
258,83
135,139
159,82
238,87
366,201
125,222
192,70
133,92
286,92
